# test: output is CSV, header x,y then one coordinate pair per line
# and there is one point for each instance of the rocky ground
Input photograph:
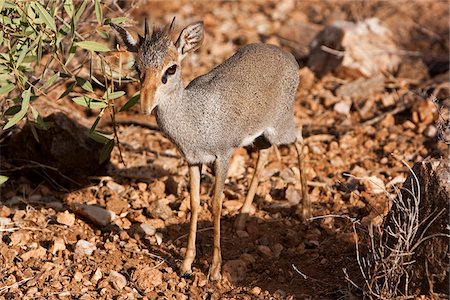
x,y
54,247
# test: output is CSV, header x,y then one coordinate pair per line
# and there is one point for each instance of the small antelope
x,y
247,99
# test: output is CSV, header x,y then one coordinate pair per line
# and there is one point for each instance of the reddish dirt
x,y
277,256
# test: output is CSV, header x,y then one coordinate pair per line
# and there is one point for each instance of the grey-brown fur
x,y
251,92
248,97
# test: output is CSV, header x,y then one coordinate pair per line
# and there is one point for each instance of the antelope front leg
x,y
245,210
306,202
194,176
221,172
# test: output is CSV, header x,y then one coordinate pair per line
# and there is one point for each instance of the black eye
x,y
172,69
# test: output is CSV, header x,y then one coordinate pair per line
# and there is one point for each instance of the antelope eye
x,y
172,69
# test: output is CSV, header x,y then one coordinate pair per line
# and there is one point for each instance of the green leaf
x,y
6,88
98,137
23,110
3,179
92,46
89,102
46,17
51,80
113,95
98,12
80,11
130,103
118,20
68,90
22,54
68,7
12,110
85,85
106,151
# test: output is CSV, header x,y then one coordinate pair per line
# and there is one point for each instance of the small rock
x,y
242,234
361,88
58,245
265,250
65,218
5,211
5,221
95,214
148,229
247,258
256,290
160,209
374,184
232,205
84,247
117,206
430,131
114,186
292,195
277,249
147,278
235,270
35,253
142,186
118,280
96,276
19,238
78,276
159,238
343,107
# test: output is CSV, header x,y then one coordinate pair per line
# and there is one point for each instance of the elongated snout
x,y
148,90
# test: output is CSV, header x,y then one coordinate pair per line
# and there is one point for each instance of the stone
x,y
38,253
118,280
65,218
234,270
147,278
58,245
114,186
148,229
97,215
265,250
96,276
354,49
84,247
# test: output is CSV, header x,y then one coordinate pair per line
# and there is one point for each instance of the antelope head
x,y
158,59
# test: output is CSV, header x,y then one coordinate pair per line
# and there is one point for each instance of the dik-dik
x,y
248,99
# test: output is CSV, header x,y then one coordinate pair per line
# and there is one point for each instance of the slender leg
x,y
221,167
239,224
194,176
306,203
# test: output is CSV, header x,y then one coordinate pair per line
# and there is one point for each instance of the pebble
x,y
58,245
65,218
97,215
5,221
265,250
234,270
118,280
148,229
343,107
96,276
114,186
84,247
147,278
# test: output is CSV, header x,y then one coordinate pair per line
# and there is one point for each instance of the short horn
x,y
146,29
171,25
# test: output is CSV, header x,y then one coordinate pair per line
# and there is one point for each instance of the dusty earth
x,y
49,250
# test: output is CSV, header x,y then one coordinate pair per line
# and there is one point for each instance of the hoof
x,y
239,224
215,277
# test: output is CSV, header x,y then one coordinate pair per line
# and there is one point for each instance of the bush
x,y
45,44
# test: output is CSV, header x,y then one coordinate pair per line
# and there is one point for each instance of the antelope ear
x,y
190,39
131,44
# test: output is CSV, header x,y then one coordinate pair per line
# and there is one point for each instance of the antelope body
x,y
247,99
